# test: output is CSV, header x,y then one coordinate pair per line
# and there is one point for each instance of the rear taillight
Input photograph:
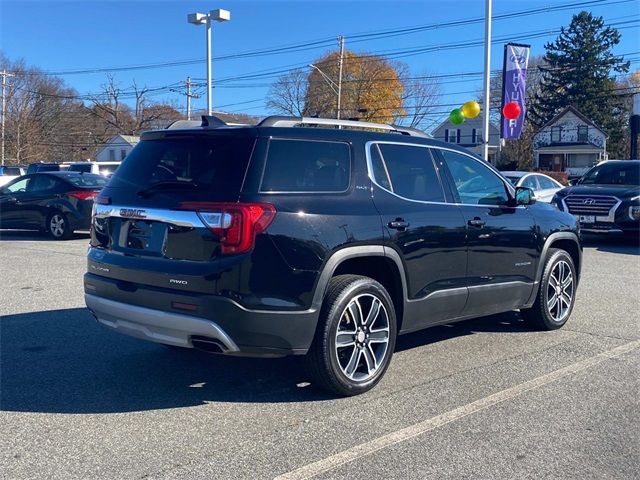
x,y
83,195
237,224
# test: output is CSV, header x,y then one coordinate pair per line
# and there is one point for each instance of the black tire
x,y
327,362
58,226
544,313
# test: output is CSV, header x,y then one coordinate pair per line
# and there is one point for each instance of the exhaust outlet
x,y
209,345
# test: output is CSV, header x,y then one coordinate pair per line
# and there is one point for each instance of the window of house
x,y
476,184
123,153
452,135
583,133
556,134
411,172
476,136
112,155
307,166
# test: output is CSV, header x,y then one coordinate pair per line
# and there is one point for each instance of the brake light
x,y
83,195
102,200
237,224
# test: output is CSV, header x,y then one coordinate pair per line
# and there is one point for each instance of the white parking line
x,y
351,454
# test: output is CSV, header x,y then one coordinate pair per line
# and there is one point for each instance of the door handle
x,y
398,224
476,222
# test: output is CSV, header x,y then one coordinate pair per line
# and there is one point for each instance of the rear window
x,y
11,171
214,164
80,168
307,166
613,174
86,180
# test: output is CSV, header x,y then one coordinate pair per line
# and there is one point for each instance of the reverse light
x,y
83,195
236,224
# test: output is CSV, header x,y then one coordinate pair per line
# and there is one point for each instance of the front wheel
x,y
556,294
355,338
58,226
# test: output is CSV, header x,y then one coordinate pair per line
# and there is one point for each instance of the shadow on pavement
x,y
62,361
625,245
34,236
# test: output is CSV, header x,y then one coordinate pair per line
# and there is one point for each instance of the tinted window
x,y
44,184
514,180
87,180
380,174
613,174
530,182
476,184
306,166
11,171
411,172
80,168
207,164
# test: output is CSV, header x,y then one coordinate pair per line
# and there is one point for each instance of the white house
x,y
469,135
117,148
569,142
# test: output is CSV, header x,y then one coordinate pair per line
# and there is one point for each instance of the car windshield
x,y
80,167
613,174
513,180
87,180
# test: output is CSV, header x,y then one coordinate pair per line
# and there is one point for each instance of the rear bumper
x,y
146,312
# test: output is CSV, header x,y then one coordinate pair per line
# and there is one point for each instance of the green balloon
x,y
456,116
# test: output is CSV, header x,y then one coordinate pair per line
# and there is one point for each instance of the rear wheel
x,y
355,337
58,226
556,295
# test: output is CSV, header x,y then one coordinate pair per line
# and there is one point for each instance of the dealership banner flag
x,y
514,86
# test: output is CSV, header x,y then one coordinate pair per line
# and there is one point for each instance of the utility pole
x,y
487,75
187,93
340,61
4,105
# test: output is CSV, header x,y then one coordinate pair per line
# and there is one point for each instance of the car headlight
x,y
556,201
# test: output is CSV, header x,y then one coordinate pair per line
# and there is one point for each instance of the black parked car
x,y
606,199
43,167
55,202
281,239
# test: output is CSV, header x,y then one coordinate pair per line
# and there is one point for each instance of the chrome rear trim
x,y
182,218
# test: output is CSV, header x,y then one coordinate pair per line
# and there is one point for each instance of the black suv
x,y
606,199
289,237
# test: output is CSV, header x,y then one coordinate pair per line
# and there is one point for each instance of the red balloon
x,y
511,110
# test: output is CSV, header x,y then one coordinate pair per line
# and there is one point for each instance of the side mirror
x,y
524,196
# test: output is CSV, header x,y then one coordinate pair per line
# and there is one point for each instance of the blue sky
x,y
62,36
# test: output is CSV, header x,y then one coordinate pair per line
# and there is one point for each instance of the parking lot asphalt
x,y
486,398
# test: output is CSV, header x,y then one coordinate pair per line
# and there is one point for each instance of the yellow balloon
x,y
471,109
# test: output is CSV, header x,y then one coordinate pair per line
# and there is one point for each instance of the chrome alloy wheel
x,y
560,291
57,225
362,337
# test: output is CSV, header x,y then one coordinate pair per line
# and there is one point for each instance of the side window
x,y
19,186
306,166
411,172
43,183
380,174
531,182
475,183
546,182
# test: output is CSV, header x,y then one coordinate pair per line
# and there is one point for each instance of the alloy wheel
x,y
560,291
362,337
57,225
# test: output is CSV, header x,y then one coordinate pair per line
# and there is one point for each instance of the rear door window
x,y
205,163
307,166
409,171
531,182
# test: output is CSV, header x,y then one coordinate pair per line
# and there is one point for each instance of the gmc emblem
x,y
132,213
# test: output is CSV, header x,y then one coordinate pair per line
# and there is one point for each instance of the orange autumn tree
x,y
371,88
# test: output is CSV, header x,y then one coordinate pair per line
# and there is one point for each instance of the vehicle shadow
x,y
62,361
34,236
625,245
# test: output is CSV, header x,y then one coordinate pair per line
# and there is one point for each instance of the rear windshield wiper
x,y
167,185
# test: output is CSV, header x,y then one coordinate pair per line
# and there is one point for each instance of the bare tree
x,y
287,95
420,98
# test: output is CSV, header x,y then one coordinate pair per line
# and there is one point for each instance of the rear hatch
x,y
171,208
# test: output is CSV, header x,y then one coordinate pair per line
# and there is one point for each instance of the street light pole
x,y
333,85
487,73
218,15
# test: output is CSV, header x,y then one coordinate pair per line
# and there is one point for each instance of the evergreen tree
x,y
579,70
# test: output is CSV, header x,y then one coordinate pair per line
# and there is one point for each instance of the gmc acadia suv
x,y
298,237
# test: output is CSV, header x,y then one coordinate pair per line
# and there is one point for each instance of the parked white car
x,y
544,187
106,169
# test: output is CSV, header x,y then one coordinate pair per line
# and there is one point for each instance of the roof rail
x,y
281,121
184,124
210,121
